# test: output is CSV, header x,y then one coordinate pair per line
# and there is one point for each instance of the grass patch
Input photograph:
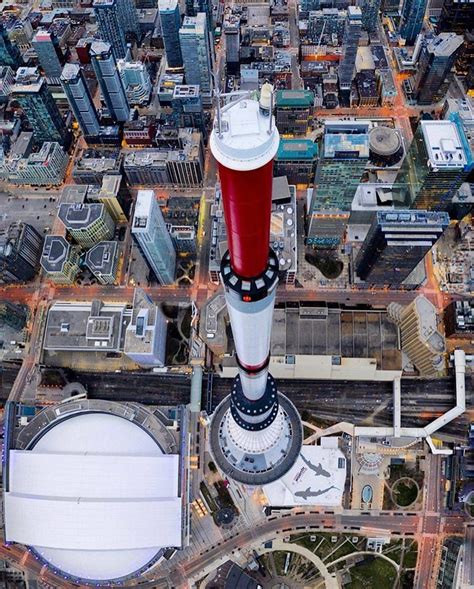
x,y
279,558
405,492
407,580
411,556
372,573
344,549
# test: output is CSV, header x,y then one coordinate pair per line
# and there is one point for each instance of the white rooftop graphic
x,y
443,144
317,478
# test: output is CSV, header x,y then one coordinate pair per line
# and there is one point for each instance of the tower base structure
x,y
256,457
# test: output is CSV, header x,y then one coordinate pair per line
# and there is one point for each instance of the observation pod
x,y
256,432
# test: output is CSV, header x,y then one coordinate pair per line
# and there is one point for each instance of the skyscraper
x,y
195,48
32,94
129,18
438,161
86,223
350,45
110,26
370,14
9,53
436,61
170,24
343,157
396,243
149,229
75,87
231,26
411,22
20,251
45,45
136,81
110,81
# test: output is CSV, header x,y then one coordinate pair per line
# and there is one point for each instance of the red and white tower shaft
x,y
244,145
253,433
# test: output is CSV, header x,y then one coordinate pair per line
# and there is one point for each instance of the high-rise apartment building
x,y
102,261
7,80
294,111
136,81
170,19
411,21
32,94
370,14
342,162
60,260
350,45
128,16
196,51
80,100
436,60
187,108
41,168
110,26
9,52
149,229
46,47
396,243
87,223
20,251
438,162
231,27
110,81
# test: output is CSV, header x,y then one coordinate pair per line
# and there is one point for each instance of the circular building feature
x,y
93,493
385,147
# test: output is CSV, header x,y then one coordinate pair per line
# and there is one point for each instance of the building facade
x,y
196,51
60,260
42,168
170,19
342,162
370,14
187,108
110,81
351,42
436,60
296,159
149,229
20,251
136,80
396,243
80,100
9,52
102,260
411,22
110,26
46,46
294,111
32,94
87,223
438,161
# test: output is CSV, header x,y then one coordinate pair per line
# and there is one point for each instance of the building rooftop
x,y
443,144
296,98
445,44
186,91
141,333
344,144
384,140
101,482
420,218
70,71
55,253
91,327
167,5
297,149
101,258
428,324
80,215
318,477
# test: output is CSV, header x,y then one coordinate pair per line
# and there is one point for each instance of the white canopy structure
x,y
96,497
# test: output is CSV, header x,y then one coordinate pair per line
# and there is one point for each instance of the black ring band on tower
x,y
250,289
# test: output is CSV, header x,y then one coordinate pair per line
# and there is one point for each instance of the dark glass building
x,y
436,61
75,87
32,94
170,25
20,251
396,243
9,53
110,26
438,161
411,21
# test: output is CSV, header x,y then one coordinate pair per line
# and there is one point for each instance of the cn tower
x,y
256,432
